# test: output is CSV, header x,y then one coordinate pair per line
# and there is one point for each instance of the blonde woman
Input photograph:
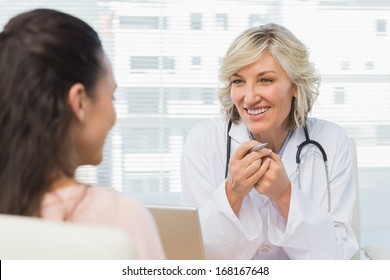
x,y
292,199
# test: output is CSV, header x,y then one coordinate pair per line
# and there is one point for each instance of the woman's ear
x,y
295,91
77,99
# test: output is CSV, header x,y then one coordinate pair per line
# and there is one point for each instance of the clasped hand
x,y
262,170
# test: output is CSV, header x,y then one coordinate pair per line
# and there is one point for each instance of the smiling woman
x,y
264,208
166,77
263,93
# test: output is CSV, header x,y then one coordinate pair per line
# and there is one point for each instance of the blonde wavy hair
x,y
291,54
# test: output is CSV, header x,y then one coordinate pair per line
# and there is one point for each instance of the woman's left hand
x,y
275,183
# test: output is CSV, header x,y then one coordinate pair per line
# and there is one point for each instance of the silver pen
x,y
257,147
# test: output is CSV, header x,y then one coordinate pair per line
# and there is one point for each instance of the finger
x,y
254,156
262,153
274,156
252,162
243,149
252,168
265,166
261,171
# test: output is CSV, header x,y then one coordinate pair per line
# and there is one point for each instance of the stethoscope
x,y
308,141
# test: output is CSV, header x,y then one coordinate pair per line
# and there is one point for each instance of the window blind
x,y
165,57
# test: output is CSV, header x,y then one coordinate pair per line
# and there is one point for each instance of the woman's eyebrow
x,y
259,74
266,72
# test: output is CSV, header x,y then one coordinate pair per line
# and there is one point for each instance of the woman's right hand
x,y
244,171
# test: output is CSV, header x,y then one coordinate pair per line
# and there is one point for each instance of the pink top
x,y
107,207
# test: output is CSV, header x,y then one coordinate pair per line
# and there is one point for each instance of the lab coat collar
x,y
239,132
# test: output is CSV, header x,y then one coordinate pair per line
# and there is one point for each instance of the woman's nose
x,y
252,95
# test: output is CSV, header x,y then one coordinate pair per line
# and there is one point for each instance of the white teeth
x,y
258,111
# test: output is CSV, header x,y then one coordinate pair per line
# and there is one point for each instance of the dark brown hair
x,y
42,54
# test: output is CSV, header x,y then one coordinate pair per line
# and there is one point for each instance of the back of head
x,y
290,53
42,54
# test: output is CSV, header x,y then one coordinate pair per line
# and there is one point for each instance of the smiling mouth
x,y
257,111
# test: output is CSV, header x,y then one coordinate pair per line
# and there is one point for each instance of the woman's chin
x,y
94,161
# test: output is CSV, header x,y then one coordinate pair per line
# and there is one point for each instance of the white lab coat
x,y
261,232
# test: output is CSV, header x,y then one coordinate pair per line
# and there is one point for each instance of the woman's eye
x,y
237,82
265,81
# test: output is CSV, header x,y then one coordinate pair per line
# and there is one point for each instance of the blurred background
x,y
166,54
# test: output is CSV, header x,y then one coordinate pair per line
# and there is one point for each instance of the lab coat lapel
x,y
239,134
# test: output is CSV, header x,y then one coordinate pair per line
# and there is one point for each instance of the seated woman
x,y
56,109
291,200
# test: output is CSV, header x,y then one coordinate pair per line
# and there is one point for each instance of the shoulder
x,y
207,132
324,128
124,203
210,125
92,202
330,135
106,206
